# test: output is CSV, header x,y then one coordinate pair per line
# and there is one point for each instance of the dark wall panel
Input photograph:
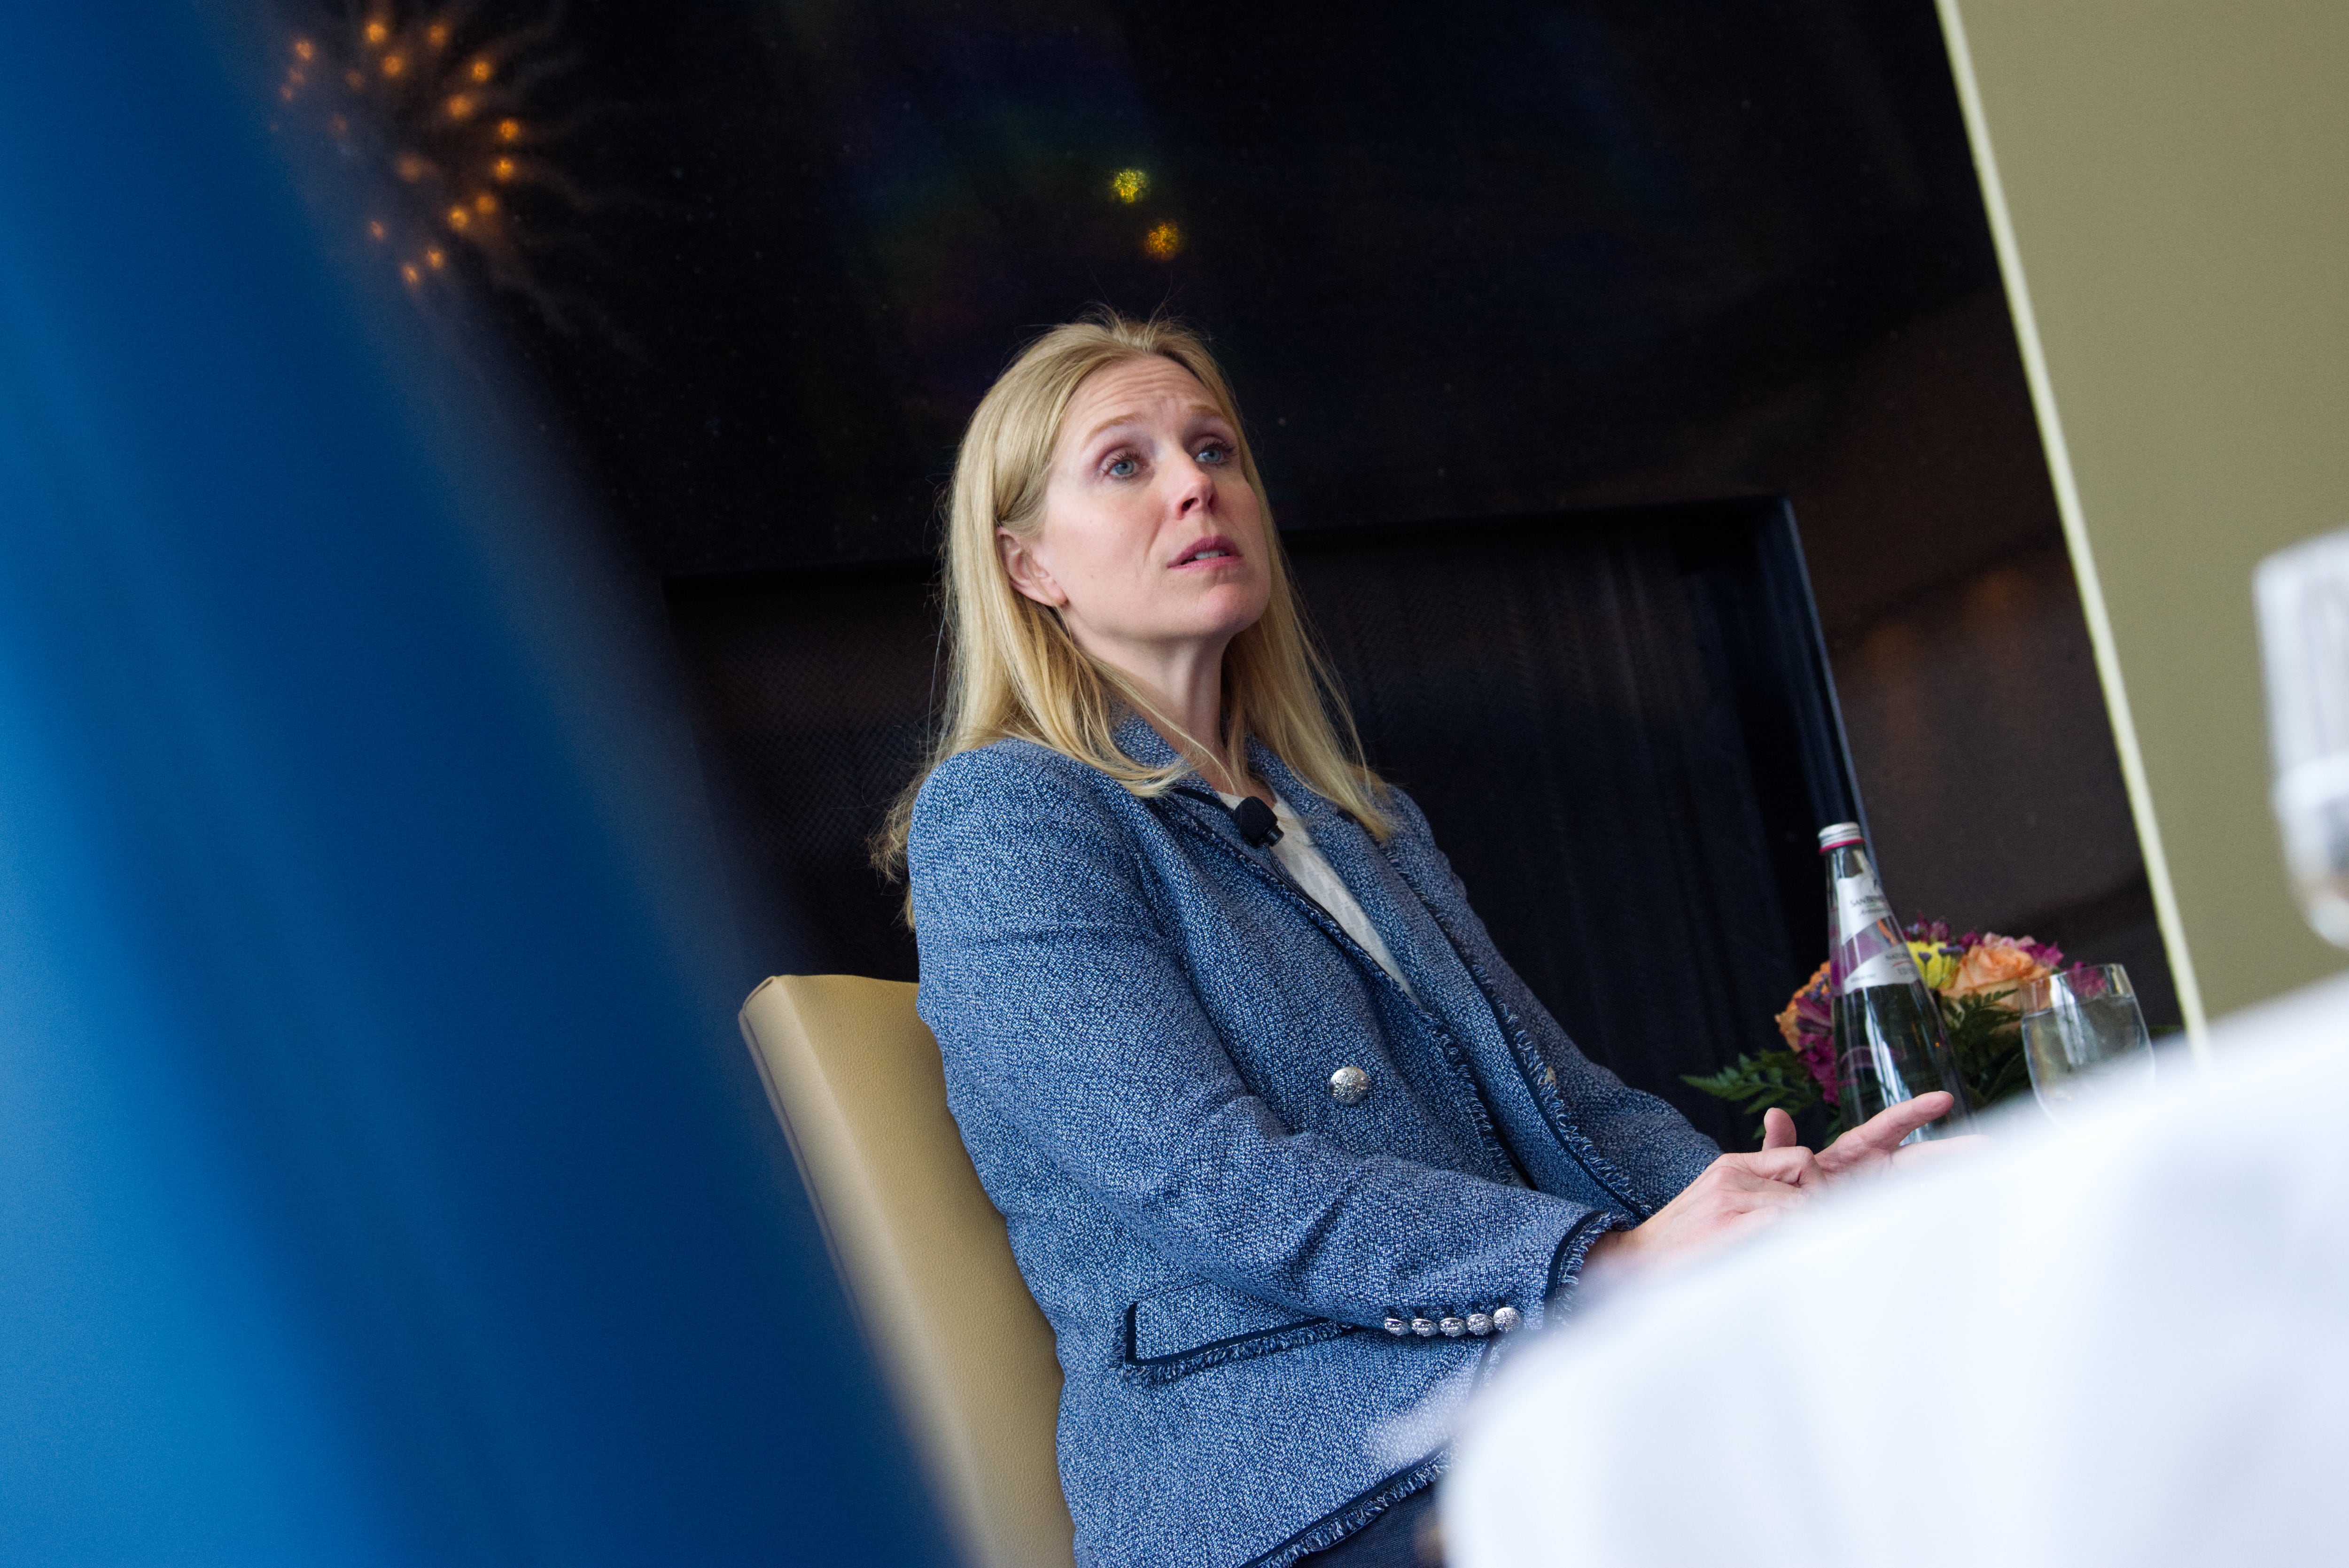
x,y
812,695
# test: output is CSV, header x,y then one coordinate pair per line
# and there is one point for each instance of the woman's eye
x,y
1122,468
1214,452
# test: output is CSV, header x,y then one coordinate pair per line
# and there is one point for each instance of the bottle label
x,y
1868,950
1893,966
1859,903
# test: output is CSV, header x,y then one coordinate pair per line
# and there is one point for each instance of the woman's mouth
x,y
1213,551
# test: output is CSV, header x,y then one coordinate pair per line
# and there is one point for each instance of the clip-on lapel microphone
x,y
1256,821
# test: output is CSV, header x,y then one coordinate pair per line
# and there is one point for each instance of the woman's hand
x,y
1740,1193
1874,1146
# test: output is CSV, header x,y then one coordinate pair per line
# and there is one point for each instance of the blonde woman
x,y
1287,1150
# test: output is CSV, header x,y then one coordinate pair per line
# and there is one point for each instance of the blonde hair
x,y
1013,669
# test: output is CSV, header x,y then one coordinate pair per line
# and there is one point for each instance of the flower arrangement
x,y
1973,976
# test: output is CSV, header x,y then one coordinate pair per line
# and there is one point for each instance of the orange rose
x,y
1808,1014
1994,964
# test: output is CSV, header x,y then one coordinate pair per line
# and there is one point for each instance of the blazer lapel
x,y
1190,794
1401,920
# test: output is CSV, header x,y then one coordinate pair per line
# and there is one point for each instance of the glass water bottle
x,y
1888,1028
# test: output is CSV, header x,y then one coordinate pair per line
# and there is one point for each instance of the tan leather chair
x,y
856,1078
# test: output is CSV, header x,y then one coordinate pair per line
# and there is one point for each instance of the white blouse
x,y
1322,884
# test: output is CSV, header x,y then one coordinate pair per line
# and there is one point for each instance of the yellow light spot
x,y
503,168
355,81
376,33
509,131
411,168
286,93
394,64
485,203
374,229
304,49
436,34
1128,184
435,256
1163,241
408,270
481,71
458,218
460,106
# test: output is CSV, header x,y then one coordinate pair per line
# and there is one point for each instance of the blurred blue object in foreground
x,y
381,1177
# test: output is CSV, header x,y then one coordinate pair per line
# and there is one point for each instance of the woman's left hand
x,y
1874,1146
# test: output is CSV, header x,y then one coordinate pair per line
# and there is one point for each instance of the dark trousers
x,y
1390,1540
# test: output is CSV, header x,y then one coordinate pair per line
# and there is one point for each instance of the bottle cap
x,y
1839,835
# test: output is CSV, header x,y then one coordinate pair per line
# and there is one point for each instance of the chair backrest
x,y
856,1078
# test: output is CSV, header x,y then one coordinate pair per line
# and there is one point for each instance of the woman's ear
x,y
1026,572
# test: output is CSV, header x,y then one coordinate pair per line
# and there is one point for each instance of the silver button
x,y
1423,1326
1453,1327
1504,1318
1480,1324
1350,1086
1397,1327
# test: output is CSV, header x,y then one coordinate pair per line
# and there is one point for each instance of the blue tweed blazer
x,y
1264,1297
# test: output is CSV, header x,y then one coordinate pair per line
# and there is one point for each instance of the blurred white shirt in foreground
x,y
2125,1342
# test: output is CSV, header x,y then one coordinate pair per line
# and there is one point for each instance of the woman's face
x,y
1152,543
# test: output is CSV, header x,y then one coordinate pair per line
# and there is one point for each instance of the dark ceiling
x,y
1460,260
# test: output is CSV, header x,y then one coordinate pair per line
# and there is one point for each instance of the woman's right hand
x,y
1742,1193
1737,1193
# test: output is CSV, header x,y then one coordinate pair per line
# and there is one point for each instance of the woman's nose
x,y
1198,488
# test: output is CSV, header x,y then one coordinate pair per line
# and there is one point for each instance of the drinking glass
x,y
2303,606
2084,1037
